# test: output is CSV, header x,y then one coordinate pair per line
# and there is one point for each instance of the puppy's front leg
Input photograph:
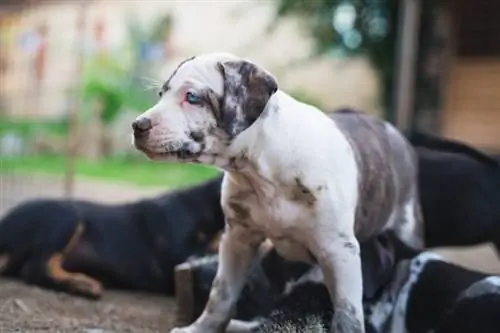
x,y
337,252
237,250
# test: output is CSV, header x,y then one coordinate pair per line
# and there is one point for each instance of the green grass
x,y
26,127
143,173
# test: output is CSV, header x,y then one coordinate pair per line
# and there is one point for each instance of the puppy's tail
x,y
420,139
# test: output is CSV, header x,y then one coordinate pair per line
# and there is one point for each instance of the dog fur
x,y
459,192
79,246
312,185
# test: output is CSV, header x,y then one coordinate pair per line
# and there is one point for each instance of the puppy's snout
x,y
142,126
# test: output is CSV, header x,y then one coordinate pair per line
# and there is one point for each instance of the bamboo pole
x,y
72,148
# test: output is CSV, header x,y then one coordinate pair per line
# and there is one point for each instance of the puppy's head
x,y
203,106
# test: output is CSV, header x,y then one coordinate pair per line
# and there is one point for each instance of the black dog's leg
x,y
45,267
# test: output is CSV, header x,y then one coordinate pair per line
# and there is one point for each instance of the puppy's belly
x,y
293,250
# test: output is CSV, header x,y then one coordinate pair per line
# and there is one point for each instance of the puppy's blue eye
x,y
192,98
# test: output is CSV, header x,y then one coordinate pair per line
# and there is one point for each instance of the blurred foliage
x,y
116,79
351,28
28,127
105,80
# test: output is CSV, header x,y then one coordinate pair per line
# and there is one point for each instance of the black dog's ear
x,y
247,89
378,259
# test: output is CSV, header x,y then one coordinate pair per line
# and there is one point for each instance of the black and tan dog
x,y
79,246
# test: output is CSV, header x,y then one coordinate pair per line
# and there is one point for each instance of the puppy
x,y
312,185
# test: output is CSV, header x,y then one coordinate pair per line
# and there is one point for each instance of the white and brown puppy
x,y
312,185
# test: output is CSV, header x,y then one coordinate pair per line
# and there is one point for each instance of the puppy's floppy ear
x,y
378,259
247,89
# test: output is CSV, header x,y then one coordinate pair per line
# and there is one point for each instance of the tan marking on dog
x,y
302,194
241,212
77,281
4,260
215,242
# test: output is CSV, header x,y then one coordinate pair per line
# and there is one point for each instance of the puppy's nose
x,y
141,126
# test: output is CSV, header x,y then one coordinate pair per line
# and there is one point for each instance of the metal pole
x,y
72,148
409,25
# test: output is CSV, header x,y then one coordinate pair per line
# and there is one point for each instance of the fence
x,y
28,103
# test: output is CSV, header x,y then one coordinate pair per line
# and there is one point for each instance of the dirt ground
x,y
28,309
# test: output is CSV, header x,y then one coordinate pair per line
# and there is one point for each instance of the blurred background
x,y
73,75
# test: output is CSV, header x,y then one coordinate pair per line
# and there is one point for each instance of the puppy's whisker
x,y
150,83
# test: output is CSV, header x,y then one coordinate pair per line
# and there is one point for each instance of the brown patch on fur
x,y
241,213
76,281
4,260
215,242
302,194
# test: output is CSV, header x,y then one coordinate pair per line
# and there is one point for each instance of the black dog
x,y
423,294
459,192
78,246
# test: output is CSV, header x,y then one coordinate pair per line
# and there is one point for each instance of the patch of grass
x,y
143,173
28,127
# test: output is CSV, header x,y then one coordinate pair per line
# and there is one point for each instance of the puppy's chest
x,y
280,219
269,211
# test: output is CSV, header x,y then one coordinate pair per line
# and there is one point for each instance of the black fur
x,y
133,246
436,292
459,192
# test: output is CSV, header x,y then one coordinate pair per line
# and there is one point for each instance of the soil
x,y
29,309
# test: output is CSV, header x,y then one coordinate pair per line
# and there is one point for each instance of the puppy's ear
x,y
378,259
247,89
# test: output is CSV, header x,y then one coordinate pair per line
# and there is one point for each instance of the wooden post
x,y
406,53
72,151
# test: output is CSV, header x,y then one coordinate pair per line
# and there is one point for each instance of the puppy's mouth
x,y
185,152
